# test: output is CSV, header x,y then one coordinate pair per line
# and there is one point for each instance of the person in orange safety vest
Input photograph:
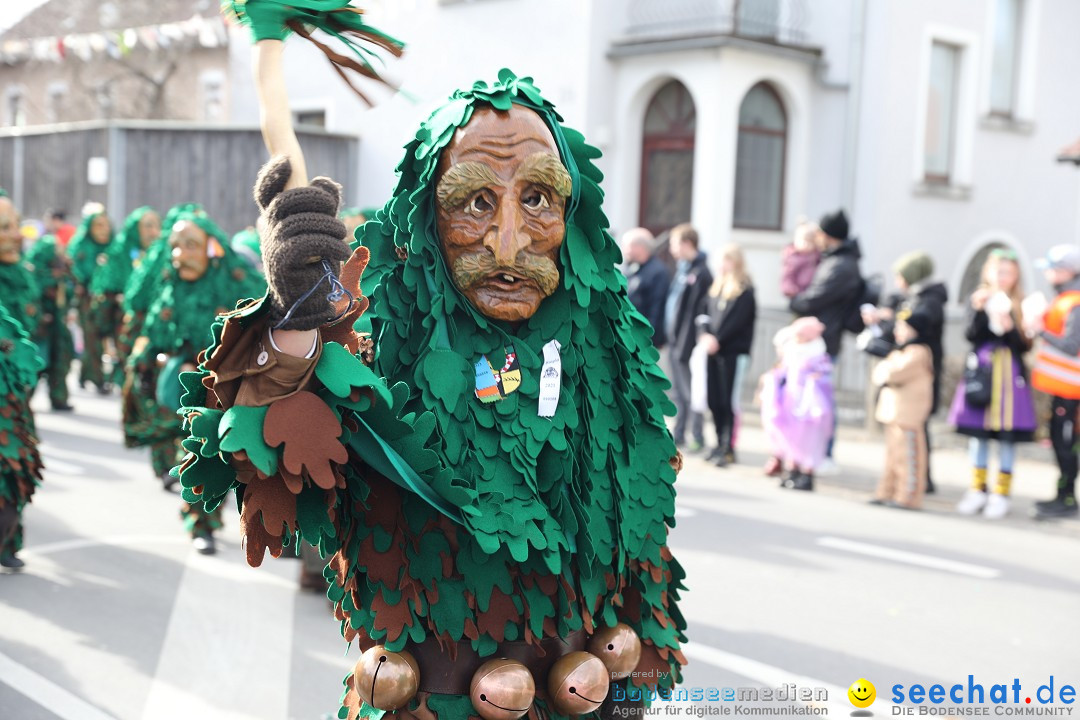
x,y
1057,372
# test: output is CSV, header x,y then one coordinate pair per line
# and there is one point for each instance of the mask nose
x,y
507,238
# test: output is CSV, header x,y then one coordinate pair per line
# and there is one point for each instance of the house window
x,y
941,106
759,160
213,96
16,107
1006,56
667,158
757,18
54,102
311,118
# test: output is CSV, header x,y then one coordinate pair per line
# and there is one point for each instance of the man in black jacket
x,y
835,292
647,280
686,296
834,295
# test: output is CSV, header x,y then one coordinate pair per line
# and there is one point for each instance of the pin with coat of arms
x,y
493,385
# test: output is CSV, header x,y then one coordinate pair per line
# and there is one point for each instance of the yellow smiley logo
x,y
862,693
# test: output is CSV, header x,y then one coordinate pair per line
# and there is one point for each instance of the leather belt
x,y
443,676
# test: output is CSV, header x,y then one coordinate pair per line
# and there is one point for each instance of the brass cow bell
x,y
618,647
502,690
578,683
384,679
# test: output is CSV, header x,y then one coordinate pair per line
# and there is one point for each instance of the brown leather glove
x,y
302,231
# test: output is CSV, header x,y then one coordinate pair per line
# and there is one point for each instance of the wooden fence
x,y
154,163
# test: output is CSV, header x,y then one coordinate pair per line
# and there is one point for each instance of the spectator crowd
x,y
704,312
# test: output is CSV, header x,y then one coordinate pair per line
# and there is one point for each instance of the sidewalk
x,y
860,454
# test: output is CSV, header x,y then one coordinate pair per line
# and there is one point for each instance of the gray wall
x,y
157,164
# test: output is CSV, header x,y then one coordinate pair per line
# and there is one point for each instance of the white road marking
x,y
771,676
228,645
46,693
903,556
682,512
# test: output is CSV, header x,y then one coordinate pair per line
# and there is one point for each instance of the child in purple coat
x,y
797,402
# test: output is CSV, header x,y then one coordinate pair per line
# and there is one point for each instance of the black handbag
x,y
978,380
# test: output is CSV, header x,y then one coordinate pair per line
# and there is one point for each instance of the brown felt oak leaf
x,y
309,430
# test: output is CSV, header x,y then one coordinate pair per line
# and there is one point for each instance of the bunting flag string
x,y
197,31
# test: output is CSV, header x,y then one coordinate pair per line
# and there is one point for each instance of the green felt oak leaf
x,y
313,517
340,371
194,393
212,475
204,425
241,429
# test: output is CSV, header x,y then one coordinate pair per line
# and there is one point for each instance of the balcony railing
x,y
777,21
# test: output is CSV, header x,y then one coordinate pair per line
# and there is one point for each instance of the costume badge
x,y
493,385
550,380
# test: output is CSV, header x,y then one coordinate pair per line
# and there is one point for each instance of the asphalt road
x,y
117,618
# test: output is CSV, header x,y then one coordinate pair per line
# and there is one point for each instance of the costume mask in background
x,y
501,193
10,237
149,229
100,229
189,252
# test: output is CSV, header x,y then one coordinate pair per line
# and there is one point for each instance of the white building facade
x,y
935,123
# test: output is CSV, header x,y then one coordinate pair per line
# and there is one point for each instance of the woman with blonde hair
x,y
730,312
994,400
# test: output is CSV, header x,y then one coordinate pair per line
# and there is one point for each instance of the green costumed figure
x,y
246,244
203,278
142,229
140,412
20,463
52,271
98,263
490,474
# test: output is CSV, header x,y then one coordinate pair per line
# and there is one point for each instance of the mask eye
x,y
480,204
534,199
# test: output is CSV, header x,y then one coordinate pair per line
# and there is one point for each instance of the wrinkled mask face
x,y
189,252
500,200
10,237
149,229
100,229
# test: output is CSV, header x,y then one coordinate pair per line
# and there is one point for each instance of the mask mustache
x,y
472,268
181,266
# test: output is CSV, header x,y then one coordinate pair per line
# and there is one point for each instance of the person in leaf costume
x,y
18,286
52,272
506,491
140,411
141,232
203,279
20,463
100,271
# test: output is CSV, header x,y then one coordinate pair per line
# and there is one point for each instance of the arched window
x,y
759,161
667,158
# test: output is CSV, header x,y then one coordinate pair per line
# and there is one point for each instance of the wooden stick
x,y
275,116
275,119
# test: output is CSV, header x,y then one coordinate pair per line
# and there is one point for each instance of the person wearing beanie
x,y
906,379
1057,372
918,294
834,294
